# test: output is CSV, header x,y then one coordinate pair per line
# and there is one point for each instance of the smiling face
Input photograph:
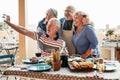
x,y
80,19
53,26
77,19
69,12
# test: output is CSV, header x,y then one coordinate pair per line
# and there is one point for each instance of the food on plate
x,y
75,64
48,61
34,59
86,65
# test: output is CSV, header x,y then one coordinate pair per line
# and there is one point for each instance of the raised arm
x,y
20,29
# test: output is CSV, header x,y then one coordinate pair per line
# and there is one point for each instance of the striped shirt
x,y
48,43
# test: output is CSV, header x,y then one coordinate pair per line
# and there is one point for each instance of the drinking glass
x,y
94,55
100,67
38,55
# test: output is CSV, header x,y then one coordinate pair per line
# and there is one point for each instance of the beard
x,y
67,15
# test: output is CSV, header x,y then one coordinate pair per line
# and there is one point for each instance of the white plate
x,y
110,67
28,61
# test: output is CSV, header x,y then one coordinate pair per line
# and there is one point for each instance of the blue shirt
x,y
42,24
85,40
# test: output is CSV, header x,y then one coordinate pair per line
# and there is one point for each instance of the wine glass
x,y
94,55
38,55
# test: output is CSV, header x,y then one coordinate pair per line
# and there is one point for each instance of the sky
x,y
9,7
101,12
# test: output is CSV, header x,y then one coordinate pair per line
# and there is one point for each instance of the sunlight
x,y
9,7
101,12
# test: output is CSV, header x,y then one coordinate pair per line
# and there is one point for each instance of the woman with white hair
x,y
50,13
49,40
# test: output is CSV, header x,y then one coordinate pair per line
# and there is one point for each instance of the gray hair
x,y
72,8
57,22
53,12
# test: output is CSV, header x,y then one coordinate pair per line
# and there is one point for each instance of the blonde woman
x,y
84,39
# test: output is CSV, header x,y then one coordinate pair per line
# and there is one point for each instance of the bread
x,y
75,64
86,65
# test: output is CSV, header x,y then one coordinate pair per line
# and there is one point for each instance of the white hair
x,y
56,21
53,12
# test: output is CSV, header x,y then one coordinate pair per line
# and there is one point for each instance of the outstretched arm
x,y
20,29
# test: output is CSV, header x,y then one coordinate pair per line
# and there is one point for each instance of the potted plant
x,y
56,60
109,33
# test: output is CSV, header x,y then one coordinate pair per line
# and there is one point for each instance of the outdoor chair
x,y
6,61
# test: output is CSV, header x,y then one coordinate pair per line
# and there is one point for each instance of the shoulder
x,y
89,27
60,40
41,21
62,19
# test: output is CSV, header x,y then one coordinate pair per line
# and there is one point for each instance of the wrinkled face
x,y
68,12
52,28
77,20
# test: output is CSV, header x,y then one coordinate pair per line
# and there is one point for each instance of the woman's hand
x,y
84,56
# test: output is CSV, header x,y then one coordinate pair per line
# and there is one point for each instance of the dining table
x,y
65,73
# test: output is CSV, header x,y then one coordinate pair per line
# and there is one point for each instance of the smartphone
x,y
4,17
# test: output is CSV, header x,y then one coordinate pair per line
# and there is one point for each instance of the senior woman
x,y
50,13
50,40
84,39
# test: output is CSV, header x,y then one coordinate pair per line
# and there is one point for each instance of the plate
x,y
73,69
28,61
110,67
79,59
39,67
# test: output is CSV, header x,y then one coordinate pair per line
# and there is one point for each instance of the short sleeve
x,y
37,35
